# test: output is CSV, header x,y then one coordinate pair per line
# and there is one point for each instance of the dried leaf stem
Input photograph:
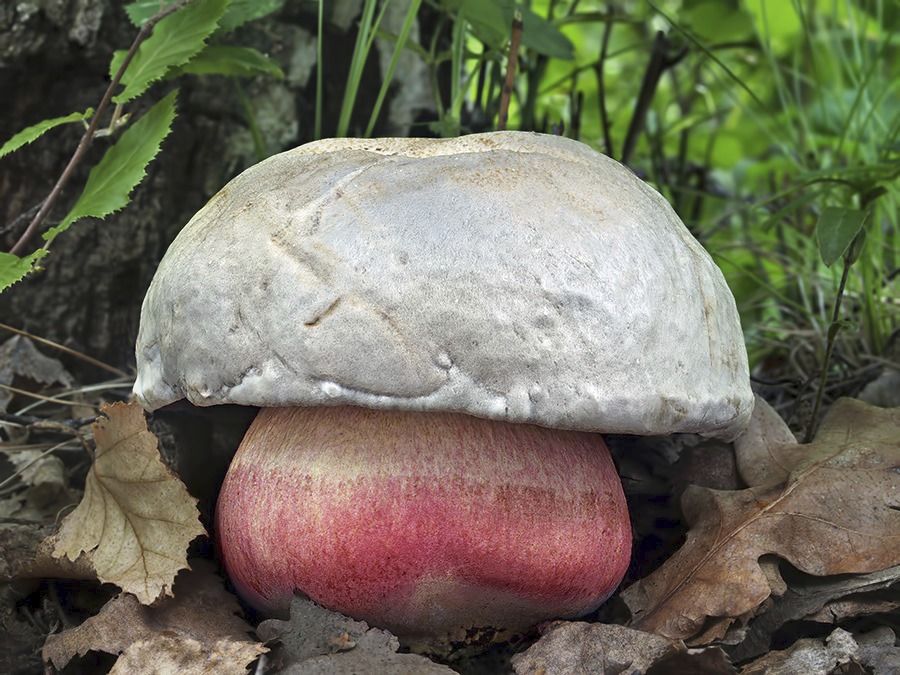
x,y
66,350
829,348
511,66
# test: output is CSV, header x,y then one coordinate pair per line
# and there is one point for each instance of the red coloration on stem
x,y
423,523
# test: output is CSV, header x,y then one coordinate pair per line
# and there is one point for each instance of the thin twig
x,y
88,136
511,65
601,81
66,350
44,423
49,399
60,611
829,348
24,468
21,218
660,61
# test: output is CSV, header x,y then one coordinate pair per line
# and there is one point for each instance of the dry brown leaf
x,y
197,631
20,358
573,648
808,597
136,518
757,448
317,641
810,657
836,513
879,651
167,655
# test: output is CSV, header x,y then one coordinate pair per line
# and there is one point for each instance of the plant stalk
x,y
511,66
833,330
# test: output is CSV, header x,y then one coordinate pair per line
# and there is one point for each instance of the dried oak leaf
x,y
835,513
136,518
576,647
810,597
317,641
759,460
879,651
196,631
20,358
810,656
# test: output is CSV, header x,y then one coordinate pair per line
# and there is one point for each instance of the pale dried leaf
x,y
166,655
197,631
808,597
883,391
573,648
837,513
20,358
316,641
136,518
810,657
839,611
758,448
879,651
34,467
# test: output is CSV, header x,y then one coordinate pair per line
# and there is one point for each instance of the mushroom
x,y
438,332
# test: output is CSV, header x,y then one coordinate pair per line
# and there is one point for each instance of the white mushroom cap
x,y
512,276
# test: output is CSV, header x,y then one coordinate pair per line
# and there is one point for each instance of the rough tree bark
x,y
54,57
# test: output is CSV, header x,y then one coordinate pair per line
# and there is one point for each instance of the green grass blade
x,y
317,129
411,13
231,61
357,63
259,142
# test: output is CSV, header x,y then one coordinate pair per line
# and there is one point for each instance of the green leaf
x,y
856,247
835,231
14,269
716,21
123,166
233,61
492,22
175,41
543,37
35,131
240,12
138,12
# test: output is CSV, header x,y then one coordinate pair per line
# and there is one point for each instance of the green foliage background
x,y
772,129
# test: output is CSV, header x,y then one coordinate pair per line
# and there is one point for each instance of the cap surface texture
x,y
509,275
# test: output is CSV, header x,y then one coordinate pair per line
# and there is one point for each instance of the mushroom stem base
x,y
428,524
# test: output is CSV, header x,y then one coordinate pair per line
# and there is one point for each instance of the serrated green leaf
x,y
492,22
545,38
123,166
14,269
232,61
835,230
116,61
138,12
35,131
175,40
240,12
